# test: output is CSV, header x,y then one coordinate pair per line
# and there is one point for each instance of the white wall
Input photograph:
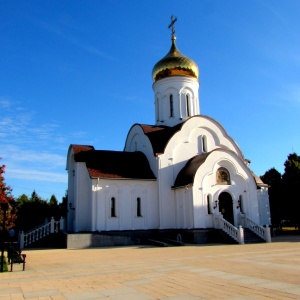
x,y
125,193
83,198
179,87
79,195
242,183
264,206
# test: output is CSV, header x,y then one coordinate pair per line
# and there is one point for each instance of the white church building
x,y
183,174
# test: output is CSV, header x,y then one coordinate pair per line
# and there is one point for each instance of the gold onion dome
x,y
174,64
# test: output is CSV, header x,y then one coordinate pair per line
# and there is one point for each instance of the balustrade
x,y
41,231
263,232
236,233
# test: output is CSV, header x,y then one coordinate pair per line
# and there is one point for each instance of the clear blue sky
x,y
79,72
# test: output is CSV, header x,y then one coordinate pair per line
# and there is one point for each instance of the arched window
x,y
171,106
241,204
187,98
138,207
208,204
223,176
204,143
157,109
113,207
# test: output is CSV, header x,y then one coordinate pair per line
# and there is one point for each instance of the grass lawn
x,y
288,231
4,265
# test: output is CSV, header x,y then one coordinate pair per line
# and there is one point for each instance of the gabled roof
x,y
81,148
187,173
113,164
159,136
259,181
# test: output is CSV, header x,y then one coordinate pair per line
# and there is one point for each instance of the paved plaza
x,y
257,271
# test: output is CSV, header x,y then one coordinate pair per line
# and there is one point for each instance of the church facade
x,y
182,173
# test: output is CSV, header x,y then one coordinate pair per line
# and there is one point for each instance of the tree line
x,y
33,211
284,193
25,213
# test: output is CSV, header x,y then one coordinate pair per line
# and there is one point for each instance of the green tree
x,y
291,183
34,210
53,200
274,179
64,204
31,211
22,199
35,197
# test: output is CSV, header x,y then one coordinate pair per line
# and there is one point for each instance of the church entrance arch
x,y
226,207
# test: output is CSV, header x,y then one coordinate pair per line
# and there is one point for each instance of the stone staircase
x,y
219,236
48,229
251,238
57,240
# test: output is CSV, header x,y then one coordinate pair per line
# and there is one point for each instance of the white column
x,y
268,234
21,239
52,225
62,224
241,235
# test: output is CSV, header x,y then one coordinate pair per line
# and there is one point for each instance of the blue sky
x,y
79,72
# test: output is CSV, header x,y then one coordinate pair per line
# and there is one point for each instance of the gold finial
x,y
173,20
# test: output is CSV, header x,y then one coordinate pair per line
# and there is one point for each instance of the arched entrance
x,y
225,207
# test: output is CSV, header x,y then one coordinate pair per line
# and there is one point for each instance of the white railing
x,y
236,233
25,239
263,232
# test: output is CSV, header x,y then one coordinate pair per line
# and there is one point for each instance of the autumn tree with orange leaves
x,y
6,199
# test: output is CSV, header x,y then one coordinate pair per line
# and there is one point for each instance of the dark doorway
x,y
225,207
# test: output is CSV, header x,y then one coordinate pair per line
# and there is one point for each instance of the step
x,y
157,243
251,238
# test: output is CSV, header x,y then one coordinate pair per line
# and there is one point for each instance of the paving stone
x,y
10,290
258,271
39,293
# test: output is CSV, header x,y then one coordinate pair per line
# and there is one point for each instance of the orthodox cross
x,y
173,20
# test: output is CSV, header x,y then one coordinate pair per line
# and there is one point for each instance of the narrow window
x,y
113,207
240,204
187,105
138,207
204,143
209,204
171,106
157,109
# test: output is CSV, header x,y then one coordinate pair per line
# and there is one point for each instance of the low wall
x,y
129,238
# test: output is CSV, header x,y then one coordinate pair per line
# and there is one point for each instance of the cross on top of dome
x,y
173,20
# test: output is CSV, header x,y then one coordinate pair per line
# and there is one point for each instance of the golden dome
x,y
174,64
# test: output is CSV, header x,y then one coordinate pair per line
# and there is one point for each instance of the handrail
x,y
263,232
40,232
236,233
